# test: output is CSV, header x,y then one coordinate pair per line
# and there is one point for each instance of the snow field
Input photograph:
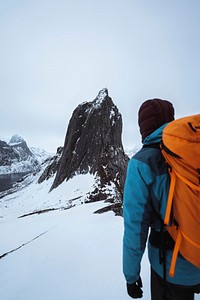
x,y
63,254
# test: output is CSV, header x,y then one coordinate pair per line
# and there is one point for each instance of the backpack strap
x,y
163,241
170,196
167,219
192,185
167,150
175,254
180,235
173,176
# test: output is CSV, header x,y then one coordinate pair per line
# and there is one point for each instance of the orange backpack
x,y
181,149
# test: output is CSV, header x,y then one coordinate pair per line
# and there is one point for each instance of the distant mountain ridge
x,y
17,157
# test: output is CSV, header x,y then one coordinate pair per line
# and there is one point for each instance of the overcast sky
x,y
55,55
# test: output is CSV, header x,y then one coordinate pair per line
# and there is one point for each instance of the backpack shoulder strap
x,y
170,196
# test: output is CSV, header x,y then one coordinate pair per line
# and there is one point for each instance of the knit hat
x,y
154,113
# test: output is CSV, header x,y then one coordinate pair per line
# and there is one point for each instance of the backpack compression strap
x,y
173,176
170,196
180,235
175,254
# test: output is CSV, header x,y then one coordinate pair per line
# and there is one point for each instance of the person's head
x,y
154,113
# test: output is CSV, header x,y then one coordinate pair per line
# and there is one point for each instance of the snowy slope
x,y
77,255
64,253
40,154
36,197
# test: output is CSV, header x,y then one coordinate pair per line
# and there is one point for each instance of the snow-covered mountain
x,y
40,154
17,157
93,145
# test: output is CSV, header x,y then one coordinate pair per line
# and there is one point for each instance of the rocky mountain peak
x,y
16,139
102,95
93,144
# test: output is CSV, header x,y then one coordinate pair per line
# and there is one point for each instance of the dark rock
x,y
93,144
7,154
52,166
117,208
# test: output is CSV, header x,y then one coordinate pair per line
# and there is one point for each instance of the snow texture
x,y
62,253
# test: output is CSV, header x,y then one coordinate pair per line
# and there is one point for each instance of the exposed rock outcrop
x,y
52,166
7,154
93,144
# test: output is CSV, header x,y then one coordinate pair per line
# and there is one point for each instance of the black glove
x,y
134,289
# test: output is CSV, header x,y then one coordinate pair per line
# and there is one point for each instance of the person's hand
x,y
134,289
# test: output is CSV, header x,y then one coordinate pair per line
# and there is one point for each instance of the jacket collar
x,y
155,136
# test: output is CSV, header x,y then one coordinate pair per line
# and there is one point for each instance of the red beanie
x,y
154,113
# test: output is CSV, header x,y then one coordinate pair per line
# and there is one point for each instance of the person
x,y
145,198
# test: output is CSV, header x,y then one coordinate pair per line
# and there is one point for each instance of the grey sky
x,y
55,55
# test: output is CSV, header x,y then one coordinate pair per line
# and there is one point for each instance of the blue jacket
x,y
146,192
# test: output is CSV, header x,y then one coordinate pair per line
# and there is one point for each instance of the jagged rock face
x,y
20,147
52,166
93,144
7,154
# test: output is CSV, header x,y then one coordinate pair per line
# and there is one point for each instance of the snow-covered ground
x,y
64,253
72,254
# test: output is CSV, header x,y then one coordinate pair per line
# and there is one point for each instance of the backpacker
x,y
181,148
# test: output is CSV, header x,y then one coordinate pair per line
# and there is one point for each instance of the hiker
x,y
144,206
